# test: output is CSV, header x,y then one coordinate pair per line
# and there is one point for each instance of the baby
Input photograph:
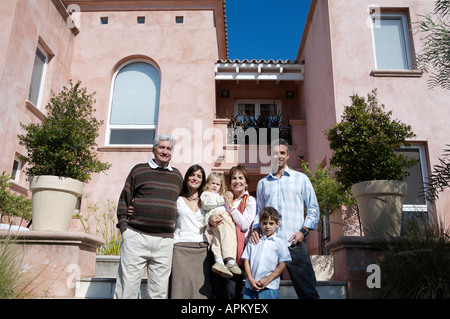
x,y
224,245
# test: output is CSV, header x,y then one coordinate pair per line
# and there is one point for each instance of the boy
x,y
265,261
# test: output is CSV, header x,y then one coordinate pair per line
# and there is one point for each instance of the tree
x,y
64,143
436,50
11,204
437,54
439,179
330,194
366,143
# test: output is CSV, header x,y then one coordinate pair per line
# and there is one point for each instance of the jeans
x,y
260,294
301,272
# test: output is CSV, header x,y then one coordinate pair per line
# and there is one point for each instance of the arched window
x,y
134,105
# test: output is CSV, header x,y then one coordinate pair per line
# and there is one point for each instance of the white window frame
x,y
43,75
423,166
110,127
16,177
257,104
406,37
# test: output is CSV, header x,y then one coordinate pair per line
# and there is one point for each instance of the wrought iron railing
x,y
252,135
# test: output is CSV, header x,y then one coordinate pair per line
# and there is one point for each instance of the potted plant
x,y
366,149
61,156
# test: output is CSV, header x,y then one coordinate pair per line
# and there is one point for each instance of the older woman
x,y
242,208
190,264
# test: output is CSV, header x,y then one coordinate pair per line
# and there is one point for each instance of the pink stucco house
x,y
355,46
162,66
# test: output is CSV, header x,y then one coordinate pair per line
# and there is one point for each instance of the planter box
x,y
106,266
380,206
54,201
352,257
54,261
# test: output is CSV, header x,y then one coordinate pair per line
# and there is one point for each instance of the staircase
x,y
102,285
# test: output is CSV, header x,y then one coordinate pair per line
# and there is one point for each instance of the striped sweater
x,y
153,193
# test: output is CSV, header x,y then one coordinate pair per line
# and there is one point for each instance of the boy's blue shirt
x,y
264,258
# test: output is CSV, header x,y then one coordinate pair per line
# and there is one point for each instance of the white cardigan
x,y
190,225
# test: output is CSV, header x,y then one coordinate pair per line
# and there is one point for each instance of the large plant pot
x,y
54,200
380,206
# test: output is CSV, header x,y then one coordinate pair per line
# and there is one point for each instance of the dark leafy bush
x,y
64,143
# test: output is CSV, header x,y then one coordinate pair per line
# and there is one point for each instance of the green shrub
x,y
416,266
105,226
330,194
10,270
366,143
64,143
12,204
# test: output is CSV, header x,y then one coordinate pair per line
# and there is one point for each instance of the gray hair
x,y
164,137
281,141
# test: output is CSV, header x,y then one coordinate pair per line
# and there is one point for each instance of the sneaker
x,y
222,270
234,268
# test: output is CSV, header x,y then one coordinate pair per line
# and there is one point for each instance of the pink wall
x,y
339,58
22,31
316,91
183,53
336,48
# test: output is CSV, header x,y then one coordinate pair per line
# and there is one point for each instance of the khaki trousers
x,y
225,243
137,251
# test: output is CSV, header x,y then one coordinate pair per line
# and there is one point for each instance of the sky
x,y
265,29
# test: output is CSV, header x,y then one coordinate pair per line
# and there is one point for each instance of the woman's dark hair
x,y
192,169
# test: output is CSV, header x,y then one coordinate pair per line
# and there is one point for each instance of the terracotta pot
x,y
54,200
380,206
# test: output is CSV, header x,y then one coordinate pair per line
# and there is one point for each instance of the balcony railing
x,y
257,135
251,145
245,129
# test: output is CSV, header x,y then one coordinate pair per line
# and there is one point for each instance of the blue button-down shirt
x,y
264,258
289,194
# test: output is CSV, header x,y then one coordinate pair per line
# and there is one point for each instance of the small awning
x,y
253,70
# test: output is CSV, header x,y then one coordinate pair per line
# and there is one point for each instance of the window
x,y
104,20
260,120
392,42
134,105
140,20
37,77
254,109
17,167
415,204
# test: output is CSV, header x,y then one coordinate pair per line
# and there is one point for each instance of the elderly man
x,y
147,234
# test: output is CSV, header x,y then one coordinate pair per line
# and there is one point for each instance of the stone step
x,y
107,266
102,285
103,288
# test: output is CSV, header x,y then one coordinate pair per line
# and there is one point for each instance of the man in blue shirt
x,y
289,192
